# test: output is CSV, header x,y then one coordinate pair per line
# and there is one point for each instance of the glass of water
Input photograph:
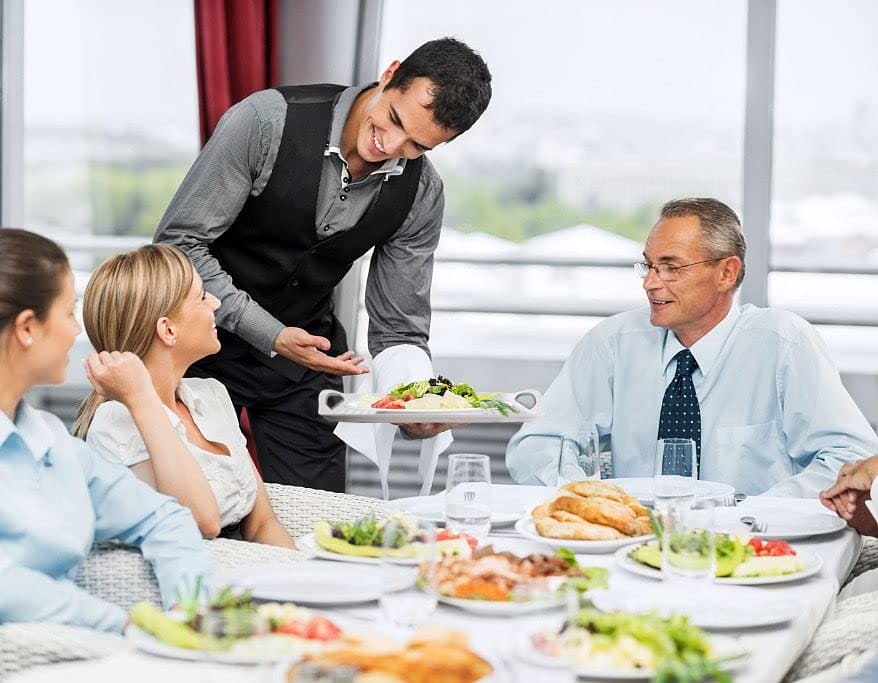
x,y
688,543
468,494
675,473
579,457
408,594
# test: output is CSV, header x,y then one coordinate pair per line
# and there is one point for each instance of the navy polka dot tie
x,y
681,416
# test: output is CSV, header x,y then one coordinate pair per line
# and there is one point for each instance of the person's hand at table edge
x,y
310,350
848,495
426,430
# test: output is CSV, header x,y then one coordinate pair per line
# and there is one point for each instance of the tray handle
x,y
330,402
532,394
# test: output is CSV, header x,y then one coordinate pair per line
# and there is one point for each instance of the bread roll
x,y
576,531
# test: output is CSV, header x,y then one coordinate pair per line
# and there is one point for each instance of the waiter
x,y
295,184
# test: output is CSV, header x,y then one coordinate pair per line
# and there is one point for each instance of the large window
x,y
601,112
110,116
824,214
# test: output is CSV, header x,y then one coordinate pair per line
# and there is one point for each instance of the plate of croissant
x,y
587,517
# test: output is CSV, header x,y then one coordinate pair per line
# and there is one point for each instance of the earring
x,y
173,341
28,341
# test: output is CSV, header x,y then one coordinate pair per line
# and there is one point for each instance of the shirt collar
x,y
31,429
340,111
190,399
706,350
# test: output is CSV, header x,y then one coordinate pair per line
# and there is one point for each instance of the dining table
x,y
506,640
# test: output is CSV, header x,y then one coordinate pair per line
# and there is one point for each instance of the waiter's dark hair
x,y
461,81
30,274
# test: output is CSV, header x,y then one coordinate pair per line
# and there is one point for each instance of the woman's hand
x,y
119,376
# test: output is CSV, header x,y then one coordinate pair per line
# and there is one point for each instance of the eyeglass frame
x,y
638,265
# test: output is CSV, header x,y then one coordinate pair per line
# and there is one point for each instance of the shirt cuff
x,y
259,328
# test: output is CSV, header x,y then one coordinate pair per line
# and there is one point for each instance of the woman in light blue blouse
x,y
56,496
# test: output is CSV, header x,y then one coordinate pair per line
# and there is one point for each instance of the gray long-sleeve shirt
x,y
237,163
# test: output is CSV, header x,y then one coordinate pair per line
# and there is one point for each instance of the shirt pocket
x,y
751,457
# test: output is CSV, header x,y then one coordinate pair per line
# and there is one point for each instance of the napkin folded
x,y
401,363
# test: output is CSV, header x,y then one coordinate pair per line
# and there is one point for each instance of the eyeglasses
x,y
666,271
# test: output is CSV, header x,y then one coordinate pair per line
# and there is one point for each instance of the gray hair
x,y
721,233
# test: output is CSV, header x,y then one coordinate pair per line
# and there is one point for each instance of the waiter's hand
x,y
309,350
426,430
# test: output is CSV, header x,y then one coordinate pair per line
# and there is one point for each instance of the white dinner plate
x,y
504,609
526,527
723,646
145,642
641,488
313,582
779,523
813,563
713,607
309,544
508,504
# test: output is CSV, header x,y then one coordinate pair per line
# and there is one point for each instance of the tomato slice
x,y
389,402
315,628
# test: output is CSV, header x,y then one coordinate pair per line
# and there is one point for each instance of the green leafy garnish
x,y
368,531
682,649
439,385
568,556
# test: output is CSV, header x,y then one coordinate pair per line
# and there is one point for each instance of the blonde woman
x,y
151,302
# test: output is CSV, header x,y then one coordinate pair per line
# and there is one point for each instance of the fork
x,y
755,525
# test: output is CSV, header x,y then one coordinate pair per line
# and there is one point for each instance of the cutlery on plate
x,y
755,525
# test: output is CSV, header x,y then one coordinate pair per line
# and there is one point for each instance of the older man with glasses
x,y
754,388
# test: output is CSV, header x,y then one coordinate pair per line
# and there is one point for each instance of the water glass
x,y
675,473
579,457
408,594
468,494
688,543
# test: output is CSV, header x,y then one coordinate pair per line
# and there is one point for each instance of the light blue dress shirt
x,y
774,414
57,499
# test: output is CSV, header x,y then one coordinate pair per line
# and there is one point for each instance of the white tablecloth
x,y
773,650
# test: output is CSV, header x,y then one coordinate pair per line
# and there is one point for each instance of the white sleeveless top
x,y
232,478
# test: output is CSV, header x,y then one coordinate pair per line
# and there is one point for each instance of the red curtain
x,y
237,53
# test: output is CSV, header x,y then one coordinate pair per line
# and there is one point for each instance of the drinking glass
x,y
675,473
579,457
468,494
408,594
688,543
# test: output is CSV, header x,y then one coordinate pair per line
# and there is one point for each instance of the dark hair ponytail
x,y
30,270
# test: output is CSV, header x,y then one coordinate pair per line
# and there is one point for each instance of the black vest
x,y
271,251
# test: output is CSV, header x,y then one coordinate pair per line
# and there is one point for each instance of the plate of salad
x,y
501,583
360,540
231,628
740,560
436,399
625,646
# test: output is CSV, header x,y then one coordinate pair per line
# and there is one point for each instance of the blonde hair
x,y
125,297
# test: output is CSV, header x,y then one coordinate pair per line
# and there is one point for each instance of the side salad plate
x,y
760,564
360,541
432,400
232,629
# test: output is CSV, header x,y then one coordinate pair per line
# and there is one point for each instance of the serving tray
x,y
339,407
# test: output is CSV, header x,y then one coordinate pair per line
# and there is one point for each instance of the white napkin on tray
x,y
401,363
